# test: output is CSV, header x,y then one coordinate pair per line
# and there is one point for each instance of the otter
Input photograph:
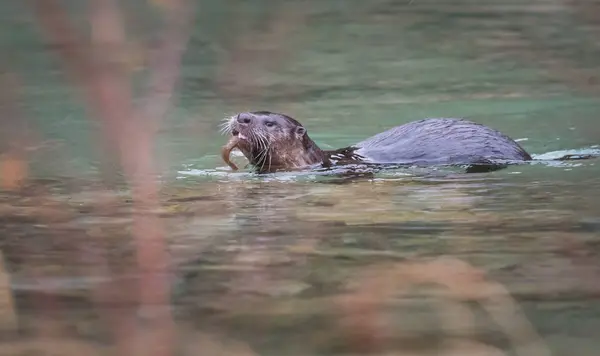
x,y
276,142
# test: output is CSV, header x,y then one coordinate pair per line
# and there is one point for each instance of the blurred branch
x,y
77,59
101,69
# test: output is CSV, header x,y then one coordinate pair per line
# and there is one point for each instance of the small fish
x,y
226,151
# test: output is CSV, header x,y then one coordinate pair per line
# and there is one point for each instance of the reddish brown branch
x,y
101,70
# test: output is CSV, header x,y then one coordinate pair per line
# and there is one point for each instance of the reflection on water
x,y
404,261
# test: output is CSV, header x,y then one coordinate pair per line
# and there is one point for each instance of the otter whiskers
x,y
226,126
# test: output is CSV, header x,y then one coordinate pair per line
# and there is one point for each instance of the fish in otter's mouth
x,y
229,127
226,151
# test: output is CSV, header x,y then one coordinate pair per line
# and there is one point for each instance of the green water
x,y
352,69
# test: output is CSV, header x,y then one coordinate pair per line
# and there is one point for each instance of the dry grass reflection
x,y
462,282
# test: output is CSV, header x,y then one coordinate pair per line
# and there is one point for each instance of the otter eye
x,y
300,130
269,124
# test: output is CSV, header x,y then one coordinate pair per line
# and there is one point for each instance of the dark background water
x,y
258,257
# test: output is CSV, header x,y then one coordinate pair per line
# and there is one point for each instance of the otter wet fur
x,y
276,142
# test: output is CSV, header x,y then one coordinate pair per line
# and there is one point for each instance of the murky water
x,y
264,260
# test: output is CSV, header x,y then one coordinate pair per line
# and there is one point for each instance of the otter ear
x,y
300,131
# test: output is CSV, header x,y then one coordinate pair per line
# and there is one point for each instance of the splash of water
x,y
569,155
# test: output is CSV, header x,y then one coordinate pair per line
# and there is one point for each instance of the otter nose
x,y
244,118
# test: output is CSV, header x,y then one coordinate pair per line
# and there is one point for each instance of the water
x,y
264,260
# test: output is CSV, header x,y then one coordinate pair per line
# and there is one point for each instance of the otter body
x,y
272,141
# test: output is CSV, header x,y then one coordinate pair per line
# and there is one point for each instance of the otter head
x,y
272,141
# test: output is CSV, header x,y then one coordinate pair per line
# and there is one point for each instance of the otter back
x,y
440,141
